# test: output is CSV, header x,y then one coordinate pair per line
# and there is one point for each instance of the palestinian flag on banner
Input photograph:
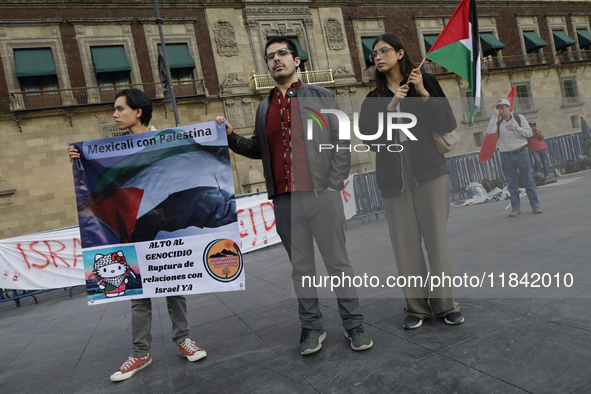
x,y
457,49
156,193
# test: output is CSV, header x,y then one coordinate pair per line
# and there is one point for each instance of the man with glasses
x,y
514,132
304,184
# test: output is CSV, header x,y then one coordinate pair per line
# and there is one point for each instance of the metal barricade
x,y
5,294
562,148
368,198
464,168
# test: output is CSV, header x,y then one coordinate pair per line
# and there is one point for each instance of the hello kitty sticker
x,y
112,273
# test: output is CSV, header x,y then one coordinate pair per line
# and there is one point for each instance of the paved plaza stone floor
x,y
518,340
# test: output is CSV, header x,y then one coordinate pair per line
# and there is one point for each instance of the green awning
x,y
561,40
302,55
489,44
34,62
367,44
429,41
533,42
178,56
110,59
584,38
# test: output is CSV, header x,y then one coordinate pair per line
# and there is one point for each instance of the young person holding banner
x,y
133,111
413,180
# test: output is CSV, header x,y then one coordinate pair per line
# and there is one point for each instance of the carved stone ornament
x,y
234,84
234,80
239,112
334,34
282,30
342,72
269,10
225,39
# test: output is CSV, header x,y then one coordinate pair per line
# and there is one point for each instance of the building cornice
x,y
32,22
177,19
373,17
100,21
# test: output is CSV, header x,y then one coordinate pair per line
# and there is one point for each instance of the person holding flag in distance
x,y
133,111
513,133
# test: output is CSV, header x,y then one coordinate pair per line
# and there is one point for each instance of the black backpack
x,y
515,116
539,179
572,166
487,185
498,183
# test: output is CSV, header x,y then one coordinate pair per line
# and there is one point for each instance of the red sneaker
x,y
130,367
191,351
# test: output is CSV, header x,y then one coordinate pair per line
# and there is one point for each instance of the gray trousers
x,y
300,218
421,212
141,323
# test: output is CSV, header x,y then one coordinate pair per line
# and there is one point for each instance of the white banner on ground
x,y
256,218
348,197
54,259
42,261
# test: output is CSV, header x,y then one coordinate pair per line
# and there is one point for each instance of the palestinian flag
x,y
487,150
457,49
157,193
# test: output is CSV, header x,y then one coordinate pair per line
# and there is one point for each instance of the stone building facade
x,y
41,114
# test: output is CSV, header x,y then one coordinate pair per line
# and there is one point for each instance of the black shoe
x,y
411,322
454,318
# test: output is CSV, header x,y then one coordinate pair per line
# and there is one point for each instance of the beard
x,y
282,75
115,280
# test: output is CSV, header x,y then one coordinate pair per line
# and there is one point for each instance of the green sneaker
x,y
311,341
359,337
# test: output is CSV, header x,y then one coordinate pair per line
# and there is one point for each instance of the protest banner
x,y
348,197
53,259
256,218
42,261
157,214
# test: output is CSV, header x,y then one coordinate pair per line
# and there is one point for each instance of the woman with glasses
x,y
412,176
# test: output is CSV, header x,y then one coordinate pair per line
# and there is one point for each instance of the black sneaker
x,y
311,341
411,322
454,318
359,337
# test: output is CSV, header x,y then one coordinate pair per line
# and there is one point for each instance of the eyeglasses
x,y
382,52
281,52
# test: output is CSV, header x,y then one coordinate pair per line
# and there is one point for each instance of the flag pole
x,y
422,62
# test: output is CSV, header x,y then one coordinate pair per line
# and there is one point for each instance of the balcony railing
x,y
44,99
490,63
434,68
265,81
534,59
573,56
515,61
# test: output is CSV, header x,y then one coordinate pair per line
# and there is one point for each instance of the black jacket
x,y
433,115
328,168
